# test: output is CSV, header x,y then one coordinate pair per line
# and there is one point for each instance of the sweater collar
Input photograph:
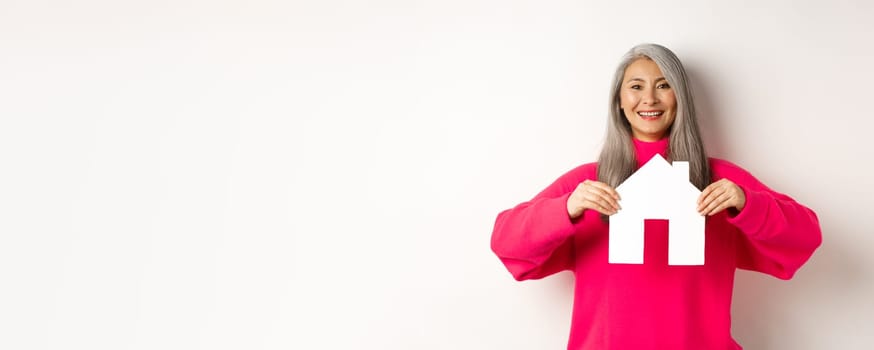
x,y
646,150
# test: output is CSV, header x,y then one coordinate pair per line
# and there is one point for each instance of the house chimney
x,y
681,169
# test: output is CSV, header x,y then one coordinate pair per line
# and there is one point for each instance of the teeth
x,y
650,114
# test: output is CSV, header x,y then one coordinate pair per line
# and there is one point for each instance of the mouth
x,y
650,115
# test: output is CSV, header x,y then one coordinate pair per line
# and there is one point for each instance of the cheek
x,y
626,100
670,99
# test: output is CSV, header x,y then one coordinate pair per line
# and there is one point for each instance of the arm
x,y
778,234
535,238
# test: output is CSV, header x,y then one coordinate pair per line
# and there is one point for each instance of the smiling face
x,y
647,100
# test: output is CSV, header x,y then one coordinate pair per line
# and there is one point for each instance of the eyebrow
x,y
641,79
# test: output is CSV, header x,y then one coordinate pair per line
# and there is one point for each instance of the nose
x,y
649,97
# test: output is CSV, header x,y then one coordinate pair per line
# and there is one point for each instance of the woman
x,y
653,305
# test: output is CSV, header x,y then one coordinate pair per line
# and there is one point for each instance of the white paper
x,y
658,190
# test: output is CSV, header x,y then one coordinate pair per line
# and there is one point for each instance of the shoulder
x,y
723,169
588,171
570,179
722,166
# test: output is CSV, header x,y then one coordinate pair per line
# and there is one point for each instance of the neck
x,y
645,150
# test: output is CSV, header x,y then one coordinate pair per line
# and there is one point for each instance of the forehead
x,y
643,68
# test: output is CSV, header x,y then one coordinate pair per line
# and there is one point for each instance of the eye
x,y
635,87
663,86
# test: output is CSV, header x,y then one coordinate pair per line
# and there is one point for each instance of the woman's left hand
x,y
721,195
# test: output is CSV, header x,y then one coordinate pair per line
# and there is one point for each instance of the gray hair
x,y
617,161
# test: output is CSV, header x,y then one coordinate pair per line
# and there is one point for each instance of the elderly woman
x,y
654,305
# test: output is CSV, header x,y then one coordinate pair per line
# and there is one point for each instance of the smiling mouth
x,y
650,115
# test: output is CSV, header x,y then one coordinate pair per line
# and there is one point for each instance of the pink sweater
x,y
654,305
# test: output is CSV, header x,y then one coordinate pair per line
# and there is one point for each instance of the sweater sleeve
x,y
778,234
535,238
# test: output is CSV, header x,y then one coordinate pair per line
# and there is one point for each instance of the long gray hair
x,y
617,161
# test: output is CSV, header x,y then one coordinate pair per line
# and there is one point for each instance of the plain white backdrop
x,y
325,174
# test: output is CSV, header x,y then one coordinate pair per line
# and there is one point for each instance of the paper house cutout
x,y
658,190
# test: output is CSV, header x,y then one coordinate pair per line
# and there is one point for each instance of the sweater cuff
x,y
557,216
752,218
553,219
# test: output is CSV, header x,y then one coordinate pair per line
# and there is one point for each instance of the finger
x,y
708,203
598,207
718,209
713,187
712,202
734,201
602,200
596,195
717,205
605,198
606,188
711,196
706,193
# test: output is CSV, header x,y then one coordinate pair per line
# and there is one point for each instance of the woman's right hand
x,y
593,195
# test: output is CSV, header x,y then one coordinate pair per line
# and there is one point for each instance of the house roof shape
x,y
658,190
658,186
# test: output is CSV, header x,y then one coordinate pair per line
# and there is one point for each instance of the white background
x,y
326,174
